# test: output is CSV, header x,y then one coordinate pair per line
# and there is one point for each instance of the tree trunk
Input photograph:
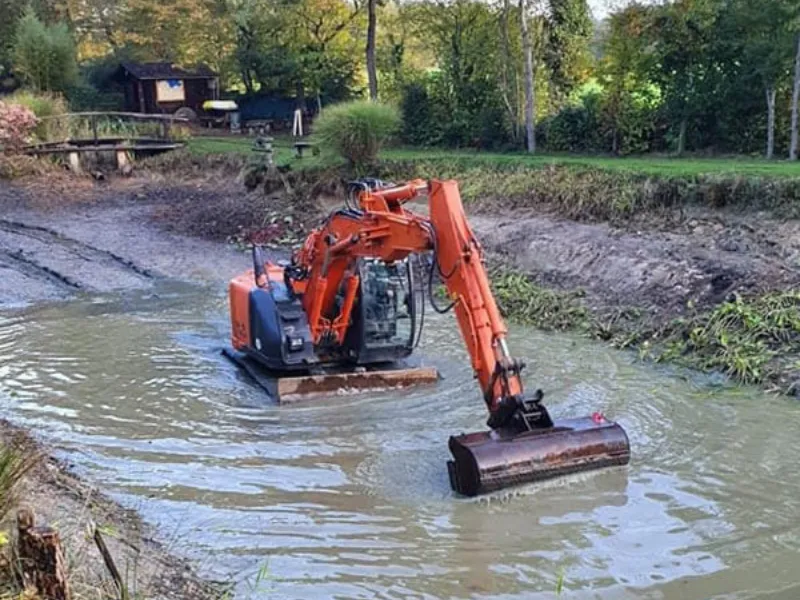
x,y
247,79
795,101
530,100
682,137
300,94
770,91
513,114
43,566
372,74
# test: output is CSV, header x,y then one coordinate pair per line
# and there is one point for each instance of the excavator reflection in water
x,y
350,300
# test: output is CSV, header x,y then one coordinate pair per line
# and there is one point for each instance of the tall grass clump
x,y
16,458
356,131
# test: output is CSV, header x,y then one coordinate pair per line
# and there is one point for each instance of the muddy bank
x,y
98,240
64,501
661,270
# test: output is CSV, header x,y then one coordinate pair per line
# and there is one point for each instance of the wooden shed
x,y
164,88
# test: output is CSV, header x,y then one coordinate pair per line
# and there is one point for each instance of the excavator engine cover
x,y
487,461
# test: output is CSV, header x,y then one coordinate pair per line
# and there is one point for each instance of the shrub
x,y
16,126
356,131
420,126
84,97
44,105
14,166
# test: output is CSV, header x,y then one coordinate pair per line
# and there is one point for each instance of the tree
x,y
757,36
372,74
530,96
465,89
44,55
625,72
569,32
682,32
508,70
11,11
186,32
264,57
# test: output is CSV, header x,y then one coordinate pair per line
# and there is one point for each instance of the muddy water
x,y
348,497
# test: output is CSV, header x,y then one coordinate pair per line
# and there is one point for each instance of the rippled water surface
x,y
348,497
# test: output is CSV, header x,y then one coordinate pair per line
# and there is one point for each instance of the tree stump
x,y
41,558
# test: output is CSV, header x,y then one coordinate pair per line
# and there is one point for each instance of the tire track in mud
x,y
81,249
29,267
38,263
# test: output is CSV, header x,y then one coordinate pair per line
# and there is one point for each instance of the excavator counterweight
x,y
349,303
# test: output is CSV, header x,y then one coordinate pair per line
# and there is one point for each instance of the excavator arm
x,y
383,228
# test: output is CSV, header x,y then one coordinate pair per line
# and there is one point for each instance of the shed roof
x,y
166,70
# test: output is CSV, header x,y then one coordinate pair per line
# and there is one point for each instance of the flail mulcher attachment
x,y
531,447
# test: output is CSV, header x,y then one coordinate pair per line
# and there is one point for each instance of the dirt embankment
x,y
661,268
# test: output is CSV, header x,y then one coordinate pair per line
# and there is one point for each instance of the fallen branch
x,y
109,561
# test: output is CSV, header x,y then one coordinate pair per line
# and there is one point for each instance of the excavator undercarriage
x,y
348,311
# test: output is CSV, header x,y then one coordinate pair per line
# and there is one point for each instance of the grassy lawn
x,y
282,146
664,166
650,165
220,145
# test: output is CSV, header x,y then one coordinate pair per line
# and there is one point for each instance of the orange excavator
x,y
349,300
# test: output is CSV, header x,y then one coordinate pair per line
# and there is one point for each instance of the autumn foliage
x,y
16,126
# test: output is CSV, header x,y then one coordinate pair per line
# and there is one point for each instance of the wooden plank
x,y
292,389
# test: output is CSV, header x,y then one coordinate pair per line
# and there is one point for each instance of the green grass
x,y
202,145
283,148
650,165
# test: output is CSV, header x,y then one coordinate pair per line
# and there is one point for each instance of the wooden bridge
x,y
125,134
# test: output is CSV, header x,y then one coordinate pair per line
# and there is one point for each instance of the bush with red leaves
x,y
16,126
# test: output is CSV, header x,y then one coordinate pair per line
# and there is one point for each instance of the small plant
x,y
357,131
560,582
16,126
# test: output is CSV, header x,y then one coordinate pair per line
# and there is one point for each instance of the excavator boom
x,y
523,443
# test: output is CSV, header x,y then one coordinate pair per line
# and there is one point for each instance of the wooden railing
x,y
96,126
88,131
